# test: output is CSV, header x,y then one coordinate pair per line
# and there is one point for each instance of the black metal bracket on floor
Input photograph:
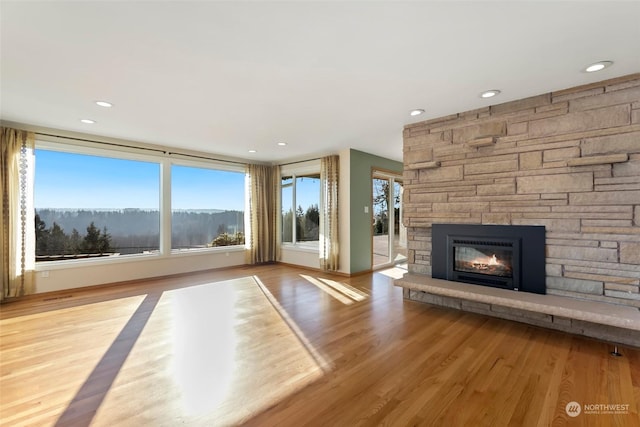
x,y
615,352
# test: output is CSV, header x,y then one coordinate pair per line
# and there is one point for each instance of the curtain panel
x,y
329,243
262,237
17,229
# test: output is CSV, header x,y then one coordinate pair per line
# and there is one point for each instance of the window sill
x,y
109,260
84,262
301,247
204,251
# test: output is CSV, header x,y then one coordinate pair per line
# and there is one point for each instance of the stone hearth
x,y
618,324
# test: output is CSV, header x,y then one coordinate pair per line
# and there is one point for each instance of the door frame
x,y
392,177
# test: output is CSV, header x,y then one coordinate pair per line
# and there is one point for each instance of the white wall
x,y
302,257
344,207
75,274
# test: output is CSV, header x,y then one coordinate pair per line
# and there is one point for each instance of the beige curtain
x,y
262,238
329,243
17,234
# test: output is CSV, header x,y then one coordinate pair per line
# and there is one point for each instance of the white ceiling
x,y
226,77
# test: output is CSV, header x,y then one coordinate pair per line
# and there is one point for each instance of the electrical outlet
x,y
366,209
44,274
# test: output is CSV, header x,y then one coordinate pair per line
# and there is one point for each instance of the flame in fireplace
x,y
485,263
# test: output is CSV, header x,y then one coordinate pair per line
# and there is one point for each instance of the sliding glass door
x,y
389,236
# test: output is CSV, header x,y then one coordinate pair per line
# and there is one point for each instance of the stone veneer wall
x,y
568,160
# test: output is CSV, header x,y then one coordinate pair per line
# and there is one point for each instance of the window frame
x,y
216,166
299,170
152,155
119,153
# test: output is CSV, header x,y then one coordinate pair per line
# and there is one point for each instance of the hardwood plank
x,y
265,346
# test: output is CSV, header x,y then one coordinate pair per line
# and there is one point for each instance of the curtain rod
x,y
157,150
300,161
208,158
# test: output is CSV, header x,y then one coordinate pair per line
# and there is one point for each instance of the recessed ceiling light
x,y
253,151
88,121
282,144
104,104
489,93
598,66
416,112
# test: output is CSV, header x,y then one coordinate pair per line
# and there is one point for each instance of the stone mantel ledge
x,y
589,311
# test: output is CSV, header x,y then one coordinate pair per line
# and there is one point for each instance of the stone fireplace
x,y
568,161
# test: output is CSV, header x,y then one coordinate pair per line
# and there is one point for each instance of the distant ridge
x,y
209,211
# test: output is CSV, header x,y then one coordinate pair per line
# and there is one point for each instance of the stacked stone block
x,y
568,160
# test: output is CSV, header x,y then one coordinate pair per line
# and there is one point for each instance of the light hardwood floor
x,y
281,346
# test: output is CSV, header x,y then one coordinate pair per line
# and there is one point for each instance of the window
x,y
287,209
300,208
95,203
90,206
207,207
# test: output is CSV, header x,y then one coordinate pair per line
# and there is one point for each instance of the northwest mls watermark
x,y
573,409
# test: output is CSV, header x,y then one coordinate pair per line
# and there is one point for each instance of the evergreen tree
x,y
312,223
57,244
42,236
381,200
104,242
91,242
287,224
75,242
299,224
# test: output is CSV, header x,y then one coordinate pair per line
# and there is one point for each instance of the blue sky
x,y
74,181
199,188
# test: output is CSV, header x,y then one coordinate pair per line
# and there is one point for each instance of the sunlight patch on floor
x,y
353,293
204,349
328,289
204,368
395,272
341,291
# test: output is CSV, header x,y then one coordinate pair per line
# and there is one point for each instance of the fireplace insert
x,y
508,257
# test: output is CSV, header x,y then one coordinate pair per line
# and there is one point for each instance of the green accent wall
x,y
361,164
